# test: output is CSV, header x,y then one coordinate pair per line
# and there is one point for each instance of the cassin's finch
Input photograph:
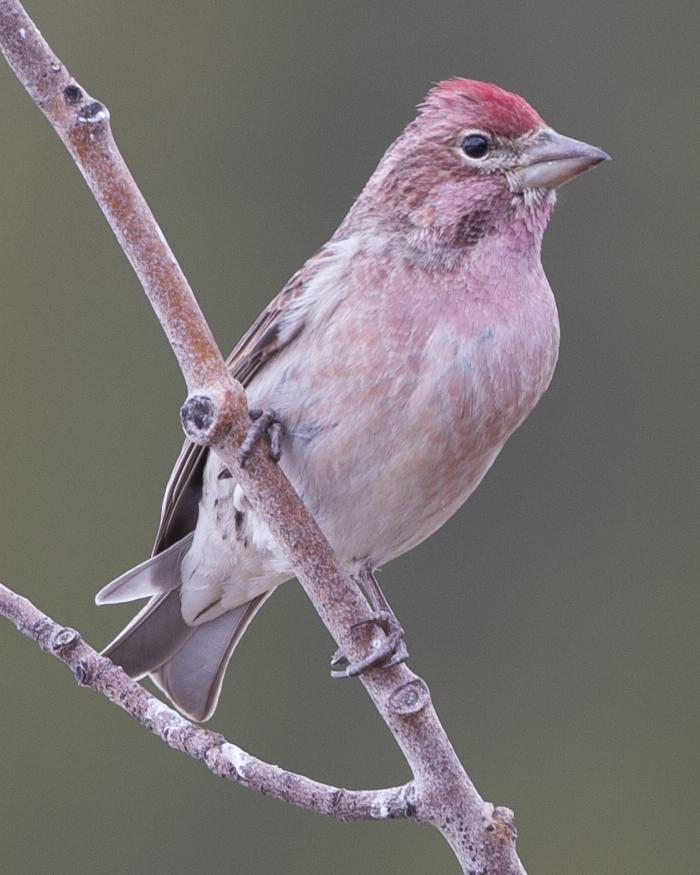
x,y
399,359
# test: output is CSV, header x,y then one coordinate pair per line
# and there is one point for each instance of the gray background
x,y
555,617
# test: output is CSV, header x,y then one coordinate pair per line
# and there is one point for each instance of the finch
x,y
399,360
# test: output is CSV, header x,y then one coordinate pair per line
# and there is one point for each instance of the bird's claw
x,y
388,653
265,423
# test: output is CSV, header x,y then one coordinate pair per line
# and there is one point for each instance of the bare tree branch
x,y
220,756
215,414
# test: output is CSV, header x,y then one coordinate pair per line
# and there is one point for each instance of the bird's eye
x,y
475,145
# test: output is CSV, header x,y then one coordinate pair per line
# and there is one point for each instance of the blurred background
x,y
555,617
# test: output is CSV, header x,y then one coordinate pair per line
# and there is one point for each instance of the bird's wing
x,y
273,330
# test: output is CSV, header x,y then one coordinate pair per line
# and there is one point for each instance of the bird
x,y
390,371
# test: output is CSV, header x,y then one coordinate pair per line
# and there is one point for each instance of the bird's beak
x,y
553,159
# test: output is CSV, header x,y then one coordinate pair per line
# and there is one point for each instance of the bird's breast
x,y
406,419
398,398
489,365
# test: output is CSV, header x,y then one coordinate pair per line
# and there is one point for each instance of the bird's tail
x,y
187,662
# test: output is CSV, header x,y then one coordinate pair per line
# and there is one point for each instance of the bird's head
x,y
476,157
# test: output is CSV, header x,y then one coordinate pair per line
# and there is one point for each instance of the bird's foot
x,y
265,424
387,653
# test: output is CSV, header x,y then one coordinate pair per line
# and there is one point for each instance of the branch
x,y
220,756
215,414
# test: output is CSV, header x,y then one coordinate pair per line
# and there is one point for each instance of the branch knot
x,y
410,698
64,638
72,94
197,415
93,113
207,417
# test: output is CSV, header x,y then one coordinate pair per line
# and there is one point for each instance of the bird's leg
x,y
265,423
392,650
375,595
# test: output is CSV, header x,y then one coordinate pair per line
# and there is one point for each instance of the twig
x,y
215,414
220,756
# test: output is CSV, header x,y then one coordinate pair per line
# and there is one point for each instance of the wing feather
x,y
271,332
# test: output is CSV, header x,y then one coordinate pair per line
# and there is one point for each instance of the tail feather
x,y
155,576
193,676
153,637
187,662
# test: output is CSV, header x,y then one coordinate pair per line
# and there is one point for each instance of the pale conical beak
x,y
553,159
